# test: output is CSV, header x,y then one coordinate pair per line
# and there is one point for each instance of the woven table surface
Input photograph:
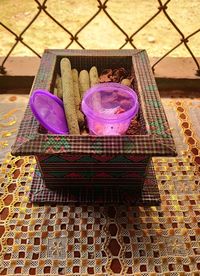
x,y
104,239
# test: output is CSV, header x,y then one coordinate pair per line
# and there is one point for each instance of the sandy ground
x,y
157,37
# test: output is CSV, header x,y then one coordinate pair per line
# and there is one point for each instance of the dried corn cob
x,y
59,87
77,98
68,96
94,78
84,82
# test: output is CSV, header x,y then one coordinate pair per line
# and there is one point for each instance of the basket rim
x,y
160,143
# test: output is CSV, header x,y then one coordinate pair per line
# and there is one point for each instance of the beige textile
x,y
105,240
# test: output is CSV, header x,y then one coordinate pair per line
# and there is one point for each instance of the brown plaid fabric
x,y
153,107
157,142
39,193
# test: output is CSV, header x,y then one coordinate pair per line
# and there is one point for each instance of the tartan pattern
x,y
62,170
155,114
40,193
29,141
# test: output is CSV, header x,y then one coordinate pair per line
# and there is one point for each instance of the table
x,y
111,239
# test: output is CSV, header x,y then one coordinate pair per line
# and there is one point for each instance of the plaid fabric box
x,y
68,160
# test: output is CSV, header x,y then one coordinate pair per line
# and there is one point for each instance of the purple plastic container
x,y
49,111
109,108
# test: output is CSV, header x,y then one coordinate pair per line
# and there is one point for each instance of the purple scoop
x,y
49,111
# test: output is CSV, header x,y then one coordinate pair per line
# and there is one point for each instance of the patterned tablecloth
x,y
96,239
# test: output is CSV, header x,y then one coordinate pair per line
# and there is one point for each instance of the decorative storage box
x,y
94,161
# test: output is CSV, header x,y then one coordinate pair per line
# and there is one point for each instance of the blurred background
x,y
163,28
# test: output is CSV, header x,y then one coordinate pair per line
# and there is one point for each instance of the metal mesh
x,y
101,7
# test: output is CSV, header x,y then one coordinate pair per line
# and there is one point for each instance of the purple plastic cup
x,y
109,108
49,111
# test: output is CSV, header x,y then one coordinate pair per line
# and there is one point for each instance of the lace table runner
x,y
108,239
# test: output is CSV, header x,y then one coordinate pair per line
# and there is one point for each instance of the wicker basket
x,y
67,160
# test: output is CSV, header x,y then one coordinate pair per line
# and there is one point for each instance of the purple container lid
x,y
49,111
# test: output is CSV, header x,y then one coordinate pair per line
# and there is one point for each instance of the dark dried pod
x,y
106,75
